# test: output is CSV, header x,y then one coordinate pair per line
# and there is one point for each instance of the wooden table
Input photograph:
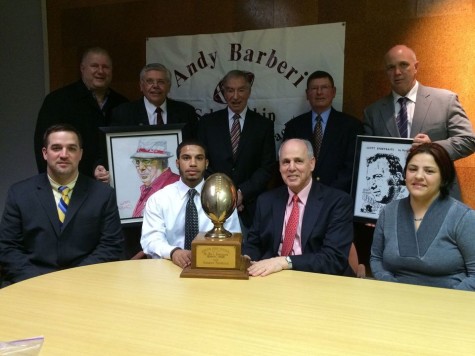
x,y
142,307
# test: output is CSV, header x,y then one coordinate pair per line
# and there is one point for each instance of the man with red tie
x,y
304,225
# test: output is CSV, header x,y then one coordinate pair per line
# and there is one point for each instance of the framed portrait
x,y
378,174
141,161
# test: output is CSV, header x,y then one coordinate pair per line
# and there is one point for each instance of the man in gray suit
x,y
419,112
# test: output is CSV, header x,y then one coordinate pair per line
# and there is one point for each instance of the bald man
x,y
415,111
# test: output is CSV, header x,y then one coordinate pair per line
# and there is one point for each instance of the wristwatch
x,y
289,262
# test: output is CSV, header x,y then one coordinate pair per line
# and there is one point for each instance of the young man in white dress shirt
x,y
163,228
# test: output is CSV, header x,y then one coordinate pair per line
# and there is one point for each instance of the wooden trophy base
x,y
217,258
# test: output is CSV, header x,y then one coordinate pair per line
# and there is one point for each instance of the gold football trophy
x,y
217,253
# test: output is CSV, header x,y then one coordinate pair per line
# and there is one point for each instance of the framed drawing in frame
x,y
378,174
141,161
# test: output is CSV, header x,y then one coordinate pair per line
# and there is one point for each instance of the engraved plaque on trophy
x,y
217,253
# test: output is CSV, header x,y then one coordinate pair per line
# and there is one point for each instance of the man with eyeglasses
x,y
155,108
87,105
331,132
151,162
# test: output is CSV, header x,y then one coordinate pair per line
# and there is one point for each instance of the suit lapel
x,y
78,197
278,214
143,116
45,196
421,109
331,131
311,215
388,116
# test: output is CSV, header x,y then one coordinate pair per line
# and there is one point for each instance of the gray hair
x,y
305,142
158,67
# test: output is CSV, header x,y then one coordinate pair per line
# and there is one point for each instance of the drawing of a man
x,y
384,181
151,162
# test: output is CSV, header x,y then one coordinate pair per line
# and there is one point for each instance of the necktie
x,y
401,118
317,136
63,203
159,116
191,219
291,227
235,133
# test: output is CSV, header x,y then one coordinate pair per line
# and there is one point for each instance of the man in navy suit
x,y
155,84
248,156
43,230
430,114
336,154
305,225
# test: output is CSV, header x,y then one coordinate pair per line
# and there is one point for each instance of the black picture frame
x,y
378,176
121,142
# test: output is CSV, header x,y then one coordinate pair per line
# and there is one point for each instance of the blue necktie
x,y
401,118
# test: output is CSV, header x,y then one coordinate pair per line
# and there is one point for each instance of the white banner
x,y
281,60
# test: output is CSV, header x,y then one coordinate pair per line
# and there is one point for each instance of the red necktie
x,y
291,227
159,117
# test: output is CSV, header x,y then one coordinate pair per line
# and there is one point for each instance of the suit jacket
x,y
75,105
327,229
334,166
32,242
252,169
135,114
437,113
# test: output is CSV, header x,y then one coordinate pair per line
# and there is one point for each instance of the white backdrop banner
x,y
281,60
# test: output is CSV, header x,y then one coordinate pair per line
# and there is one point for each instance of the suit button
x,y
318,179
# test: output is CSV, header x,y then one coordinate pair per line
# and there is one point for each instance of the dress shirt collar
x,y
324,115
303,194
232,113
151,109
183,188
411,95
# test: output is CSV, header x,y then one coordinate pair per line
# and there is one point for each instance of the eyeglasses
x,y
145,162
158,82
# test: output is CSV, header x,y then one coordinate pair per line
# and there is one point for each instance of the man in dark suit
x,y
419,112
305,225
87,105
335,153
155,84
240,144
59,219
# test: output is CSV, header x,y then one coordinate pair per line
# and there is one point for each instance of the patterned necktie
x,y
317,136
191,219
401,118
159,116
291,227
63,203
235,134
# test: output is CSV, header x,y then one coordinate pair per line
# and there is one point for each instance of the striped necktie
x,y
401,118
63,203
235,134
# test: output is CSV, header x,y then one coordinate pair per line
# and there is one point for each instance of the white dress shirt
x,y
151,112
410,105
163,227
